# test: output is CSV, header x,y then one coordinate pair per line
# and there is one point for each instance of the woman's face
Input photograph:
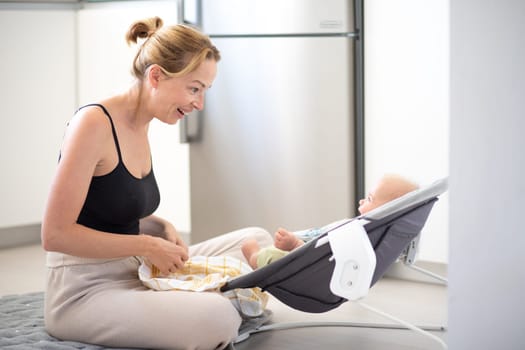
x,y
178,96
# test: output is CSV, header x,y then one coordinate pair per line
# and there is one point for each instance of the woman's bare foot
x,y
286,240
249,249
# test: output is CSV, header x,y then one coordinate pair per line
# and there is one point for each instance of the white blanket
x,y
208,274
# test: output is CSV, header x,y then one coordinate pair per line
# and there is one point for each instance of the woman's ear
x,y
154,75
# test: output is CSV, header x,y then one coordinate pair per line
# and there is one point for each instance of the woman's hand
x,y
167,256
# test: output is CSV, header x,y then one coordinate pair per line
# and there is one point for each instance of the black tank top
x,y
116,201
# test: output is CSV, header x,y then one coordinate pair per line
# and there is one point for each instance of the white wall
x,y
487,177
407,101
37,89
104,64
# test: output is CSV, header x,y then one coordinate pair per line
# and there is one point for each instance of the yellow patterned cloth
x,y
208,274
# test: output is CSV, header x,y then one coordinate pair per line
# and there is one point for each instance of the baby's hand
x,y
286,240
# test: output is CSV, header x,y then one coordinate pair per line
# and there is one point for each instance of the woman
x,y
98,222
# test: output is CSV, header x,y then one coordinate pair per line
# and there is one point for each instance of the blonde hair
x,y
177,50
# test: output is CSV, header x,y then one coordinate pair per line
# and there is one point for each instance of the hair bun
x,y
143,29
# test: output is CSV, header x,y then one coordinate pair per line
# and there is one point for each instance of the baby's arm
x,y
286,240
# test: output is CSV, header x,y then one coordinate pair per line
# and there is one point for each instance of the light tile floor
x,y
22,270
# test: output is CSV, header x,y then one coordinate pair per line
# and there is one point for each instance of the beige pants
x,y
102,301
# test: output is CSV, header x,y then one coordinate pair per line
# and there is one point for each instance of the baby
x,y
388,188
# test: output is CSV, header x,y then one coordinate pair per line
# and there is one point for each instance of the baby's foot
x,y
286,240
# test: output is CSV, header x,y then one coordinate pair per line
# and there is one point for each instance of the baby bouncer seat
x,y
347,259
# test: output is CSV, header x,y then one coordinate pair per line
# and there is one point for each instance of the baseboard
x,y
401,271
19,235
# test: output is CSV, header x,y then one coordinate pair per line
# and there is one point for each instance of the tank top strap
x,y
113,130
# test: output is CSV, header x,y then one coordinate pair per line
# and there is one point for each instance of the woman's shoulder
x,y
91,116
90,123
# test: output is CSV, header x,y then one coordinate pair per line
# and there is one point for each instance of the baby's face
x,y
374,199
365,203
371,201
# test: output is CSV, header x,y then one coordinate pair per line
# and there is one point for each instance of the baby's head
x,y
388,188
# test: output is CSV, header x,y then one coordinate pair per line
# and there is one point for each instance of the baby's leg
x,y
230,243
250,248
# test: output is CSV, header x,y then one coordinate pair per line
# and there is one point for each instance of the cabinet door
x,y
38,97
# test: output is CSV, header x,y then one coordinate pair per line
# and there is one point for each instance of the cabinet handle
x,y
189,12
190,128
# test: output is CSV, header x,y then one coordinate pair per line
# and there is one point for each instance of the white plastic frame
x,y
355,260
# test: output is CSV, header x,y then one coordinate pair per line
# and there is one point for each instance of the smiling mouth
x,y
181,112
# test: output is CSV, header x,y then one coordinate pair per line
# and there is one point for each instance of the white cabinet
x,y
37,92
54,58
